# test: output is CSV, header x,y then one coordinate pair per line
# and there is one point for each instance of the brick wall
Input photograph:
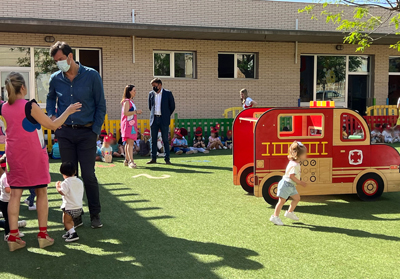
x,y
206,96
260,14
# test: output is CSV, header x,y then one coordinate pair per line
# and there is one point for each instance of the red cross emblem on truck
x,y
355,157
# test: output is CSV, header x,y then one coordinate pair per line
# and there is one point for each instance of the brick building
x,y
204,51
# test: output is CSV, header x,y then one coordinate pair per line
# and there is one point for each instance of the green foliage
x,y
365,26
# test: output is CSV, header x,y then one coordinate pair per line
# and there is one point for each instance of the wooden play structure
x,y
341,159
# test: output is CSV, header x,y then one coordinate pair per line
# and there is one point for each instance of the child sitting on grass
x,y
214,142
198,143
116,151
144,144
287,186
396,134
376,135
71,190
106,150
388,134
180,144
228,139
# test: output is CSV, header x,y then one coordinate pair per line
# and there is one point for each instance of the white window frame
x,y
32,83
172,63
235,64
348,73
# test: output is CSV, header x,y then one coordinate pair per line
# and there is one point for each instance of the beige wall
x,y
207,96
260,14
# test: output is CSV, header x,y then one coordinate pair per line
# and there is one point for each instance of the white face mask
x,y
63,65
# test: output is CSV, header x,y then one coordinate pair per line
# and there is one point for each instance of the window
x,y
237,65
394,80
174,64
301,126
36,65
352,129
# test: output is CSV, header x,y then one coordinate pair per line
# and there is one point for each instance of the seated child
x,y
5,191
106,150
71,190
144,144
160,144
228,139
359,132
376,135
55,150
116,152
396,134
103,134
198,143
344,134
214,141
388,134
30,201
180,144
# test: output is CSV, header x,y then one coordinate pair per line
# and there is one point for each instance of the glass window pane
x,y
15,56
162,64
359,64
331,78
4,95
394,64
184,65
44,67
90,58
394,89
245,65
226,65
306,78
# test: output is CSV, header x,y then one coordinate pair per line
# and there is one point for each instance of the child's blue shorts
x,y
286,189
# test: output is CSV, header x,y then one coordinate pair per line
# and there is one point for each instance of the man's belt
x,y
75,126
156,115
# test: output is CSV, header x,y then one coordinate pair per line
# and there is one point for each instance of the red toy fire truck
x,y
341,158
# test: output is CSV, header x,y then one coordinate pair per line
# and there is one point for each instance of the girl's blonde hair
x,y
14,82
296,149
245,95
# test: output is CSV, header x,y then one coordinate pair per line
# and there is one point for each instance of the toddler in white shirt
x,y
71,190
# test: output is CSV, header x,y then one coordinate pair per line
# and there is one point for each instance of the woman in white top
x,y
247,102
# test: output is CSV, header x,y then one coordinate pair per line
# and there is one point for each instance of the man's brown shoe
x,y
151,162
168,163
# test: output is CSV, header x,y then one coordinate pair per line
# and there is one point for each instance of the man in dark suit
x,y
161,106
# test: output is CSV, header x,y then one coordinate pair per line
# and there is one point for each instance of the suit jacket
x,y
167,106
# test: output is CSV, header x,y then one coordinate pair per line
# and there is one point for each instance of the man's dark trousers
x,y
157,124
79,146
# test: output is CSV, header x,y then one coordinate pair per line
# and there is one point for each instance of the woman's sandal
x,y
15,242
132,165
44,240
126,163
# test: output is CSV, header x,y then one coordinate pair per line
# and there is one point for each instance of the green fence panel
x,y
205,124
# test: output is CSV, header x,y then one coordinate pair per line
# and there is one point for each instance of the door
x,y
26,72
358,93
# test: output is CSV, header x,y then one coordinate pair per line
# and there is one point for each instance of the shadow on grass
x,y
177,170
351,207
128,246
349,232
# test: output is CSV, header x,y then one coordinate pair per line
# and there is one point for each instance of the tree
x,y
371,21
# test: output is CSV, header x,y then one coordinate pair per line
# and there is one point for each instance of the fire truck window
x,y
301,126
352,129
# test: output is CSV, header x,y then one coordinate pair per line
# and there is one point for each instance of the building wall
x,y
206,96
260,14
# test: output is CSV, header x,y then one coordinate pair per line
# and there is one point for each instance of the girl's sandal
x,y
15,242
44,240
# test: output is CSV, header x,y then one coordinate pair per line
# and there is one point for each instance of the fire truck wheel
x,y
247,180
370,187
270,188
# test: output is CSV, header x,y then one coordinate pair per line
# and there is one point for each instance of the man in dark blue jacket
x,y
161,106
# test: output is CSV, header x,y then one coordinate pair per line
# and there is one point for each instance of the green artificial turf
x,y
197,224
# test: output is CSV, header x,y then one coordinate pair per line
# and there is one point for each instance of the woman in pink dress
x,y
129,128
27,158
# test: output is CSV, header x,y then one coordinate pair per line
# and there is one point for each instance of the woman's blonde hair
x,y
244,91
14,82
296,149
